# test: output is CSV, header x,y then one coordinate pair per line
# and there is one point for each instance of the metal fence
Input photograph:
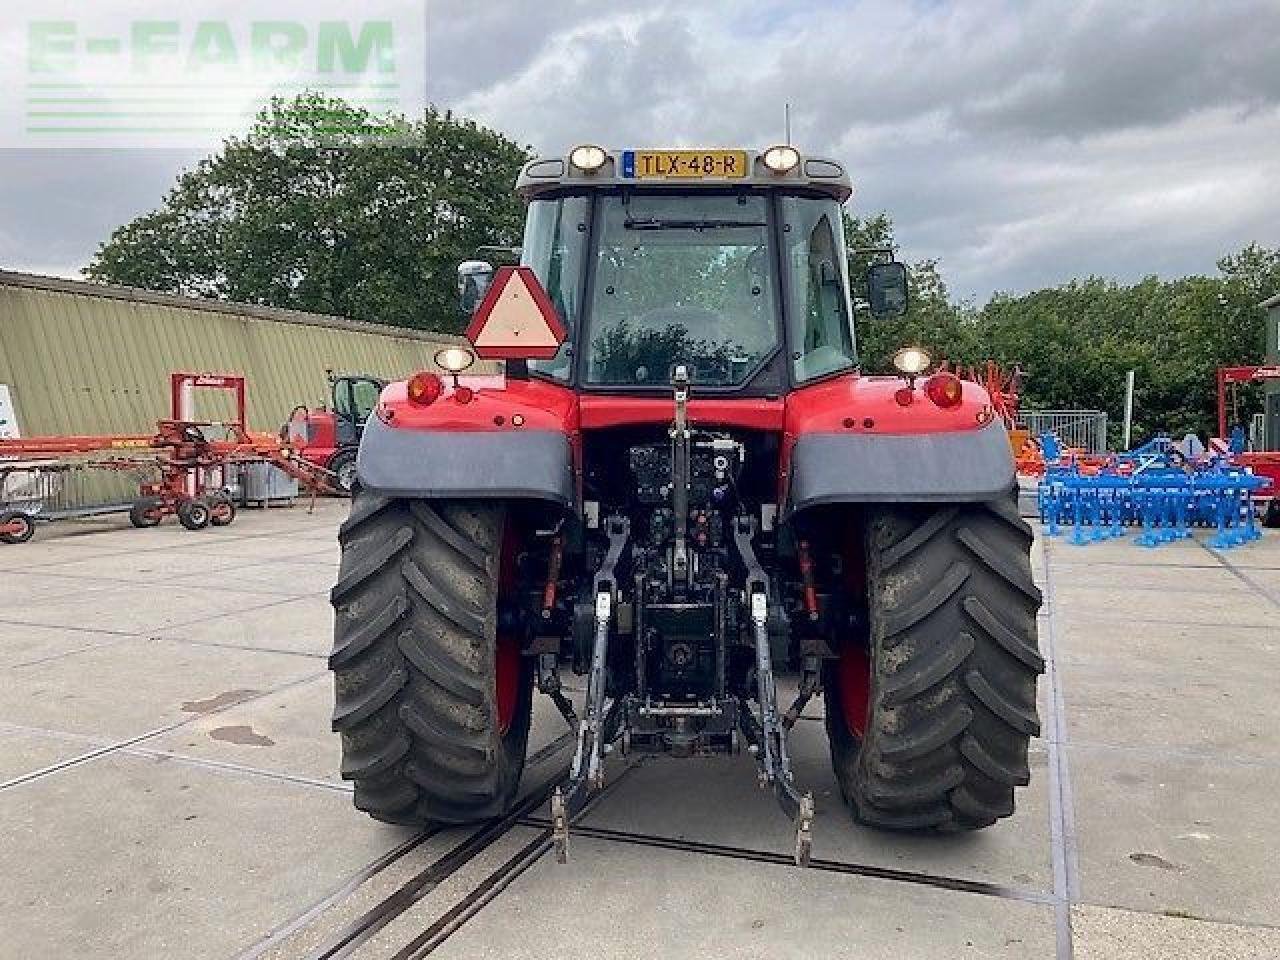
x,y
1086,429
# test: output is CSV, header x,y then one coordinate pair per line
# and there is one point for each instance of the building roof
x,y
35,281
1270,302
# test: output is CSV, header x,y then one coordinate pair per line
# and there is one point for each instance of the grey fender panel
x,y
973,465
513,464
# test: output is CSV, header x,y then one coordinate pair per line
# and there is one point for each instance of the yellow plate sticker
x,y
684,164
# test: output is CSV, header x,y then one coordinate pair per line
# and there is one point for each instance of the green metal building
x,y
82,358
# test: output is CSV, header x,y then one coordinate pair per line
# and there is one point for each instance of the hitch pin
x,y
553,576
805,562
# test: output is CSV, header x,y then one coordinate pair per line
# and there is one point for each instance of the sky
x,y
1021,144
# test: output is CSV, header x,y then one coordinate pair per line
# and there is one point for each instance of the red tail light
x,y
424,388
944,389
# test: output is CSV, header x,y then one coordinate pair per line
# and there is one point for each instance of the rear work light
x,y
424,388
944,389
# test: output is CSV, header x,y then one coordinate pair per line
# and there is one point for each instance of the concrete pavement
x,y
169,787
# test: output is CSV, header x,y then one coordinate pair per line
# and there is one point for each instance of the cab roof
x,y
549,175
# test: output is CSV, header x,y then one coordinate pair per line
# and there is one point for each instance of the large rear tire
x,y
929,722
432,698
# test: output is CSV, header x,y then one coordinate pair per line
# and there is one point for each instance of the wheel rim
x,y
507,665
199,515
347,476
222,511
853,674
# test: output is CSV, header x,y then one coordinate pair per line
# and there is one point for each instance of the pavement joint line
x,y
1243,577
115,639
111,641
236,646
1061,814
7,727
1174,622
1187,754
152,632
240,768
236,587
230,613
1140,589
108,582
130,741
1196,918
123,634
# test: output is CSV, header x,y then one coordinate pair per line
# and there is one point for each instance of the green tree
x,y
324,207
1076,341
932,320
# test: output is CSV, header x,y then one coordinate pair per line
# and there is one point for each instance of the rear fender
x,y
969,466
516,443
850,441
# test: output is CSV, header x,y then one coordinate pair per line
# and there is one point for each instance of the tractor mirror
x,y
887,289
474,277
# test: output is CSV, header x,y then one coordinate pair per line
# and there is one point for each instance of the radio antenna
x,y
786,121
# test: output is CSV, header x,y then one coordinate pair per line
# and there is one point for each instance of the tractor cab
x,y
729,264
354,397
329,436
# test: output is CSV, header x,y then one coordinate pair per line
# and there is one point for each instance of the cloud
x,y
1021,143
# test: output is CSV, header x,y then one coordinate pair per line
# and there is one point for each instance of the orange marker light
x,y
424,388
945,390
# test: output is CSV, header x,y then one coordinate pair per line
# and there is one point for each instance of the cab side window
x,y
821,331
364,397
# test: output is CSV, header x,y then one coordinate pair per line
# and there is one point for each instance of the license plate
x,y
684,164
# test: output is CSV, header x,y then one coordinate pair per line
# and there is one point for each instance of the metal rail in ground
x,y
351,937
356,933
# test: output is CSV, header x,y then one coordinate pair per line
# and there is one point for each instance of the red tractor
x,y
329,436
682,487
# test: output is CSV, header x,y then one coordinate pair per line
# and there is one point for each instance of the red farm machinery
x,y
187,464
1263,462
684,489
328,436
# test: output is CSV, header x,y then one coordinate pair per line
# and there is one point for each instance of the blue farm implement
x,y
1153,487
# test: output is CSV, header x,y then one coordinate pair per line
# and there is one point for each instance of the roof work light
x,y
781,159
588,157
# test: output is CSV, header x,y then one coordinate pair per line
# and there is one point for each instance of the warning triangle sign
x,y
516,319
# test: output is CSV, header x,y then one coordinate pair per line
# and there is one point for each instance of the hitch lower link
x,y
768,734
587,772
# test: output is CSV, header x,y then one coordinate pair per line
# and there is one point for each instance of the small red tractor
x,y
684,487
329,436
